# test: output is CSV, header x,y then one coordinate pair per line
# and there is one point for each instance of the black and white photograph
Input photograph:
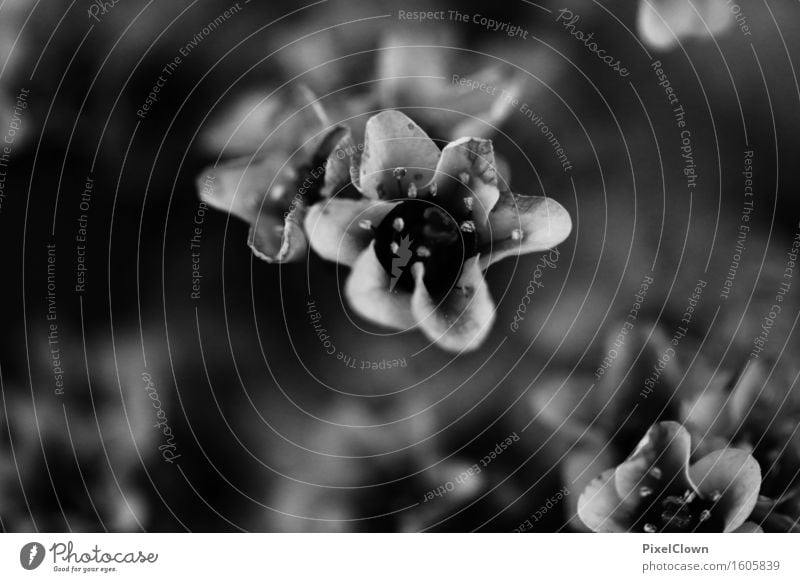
x,y
352,267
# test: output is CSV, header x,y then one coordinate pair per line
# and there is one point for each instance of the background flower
x,y
657,490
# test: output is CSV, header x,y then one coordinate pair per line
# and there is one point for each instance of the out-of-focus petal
x,y
661,460
414,73
340,230
240,186
469,162
397,154
275,240
734,474
580,467
463,319
483,118
524,224
663,24
367,291
600,508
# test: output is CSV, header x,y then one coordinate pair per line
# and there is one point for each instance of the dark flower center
x,y
685,513
417,230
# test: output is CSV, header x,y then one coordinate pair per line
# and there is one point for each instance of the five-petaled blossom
x,y
419,225
657,490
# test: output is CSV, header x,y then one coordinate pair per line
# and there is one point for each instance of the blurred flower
x,y
663,24
415,71
428,224
656,489
757,411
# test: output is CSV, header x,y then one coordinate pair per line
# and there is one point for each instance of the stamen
x,y
398,224
645,491
468,226
655,472
423,252
689,496
399,173
395,247
468,203
704,515
650,528
412,190
365,224
433,188
516,234
716,496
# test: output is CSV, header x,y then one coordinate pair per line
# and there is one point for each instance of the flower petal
x,y
663,24
338,164
749,527
469,162
367,291
240,186
463,319
523,224
579,469
736,475
600,508
340,230
660,461
394,141
277,241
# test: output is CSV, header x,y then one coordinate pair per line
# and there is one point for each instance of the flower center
x,y
417,230
679,513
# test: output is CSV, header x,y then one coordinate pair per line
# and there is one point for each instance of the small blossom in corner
x,y
427,224
657,490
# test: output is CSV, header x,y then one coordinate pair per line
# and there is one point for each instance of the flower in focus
x,y
656,489
427,225
663,24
